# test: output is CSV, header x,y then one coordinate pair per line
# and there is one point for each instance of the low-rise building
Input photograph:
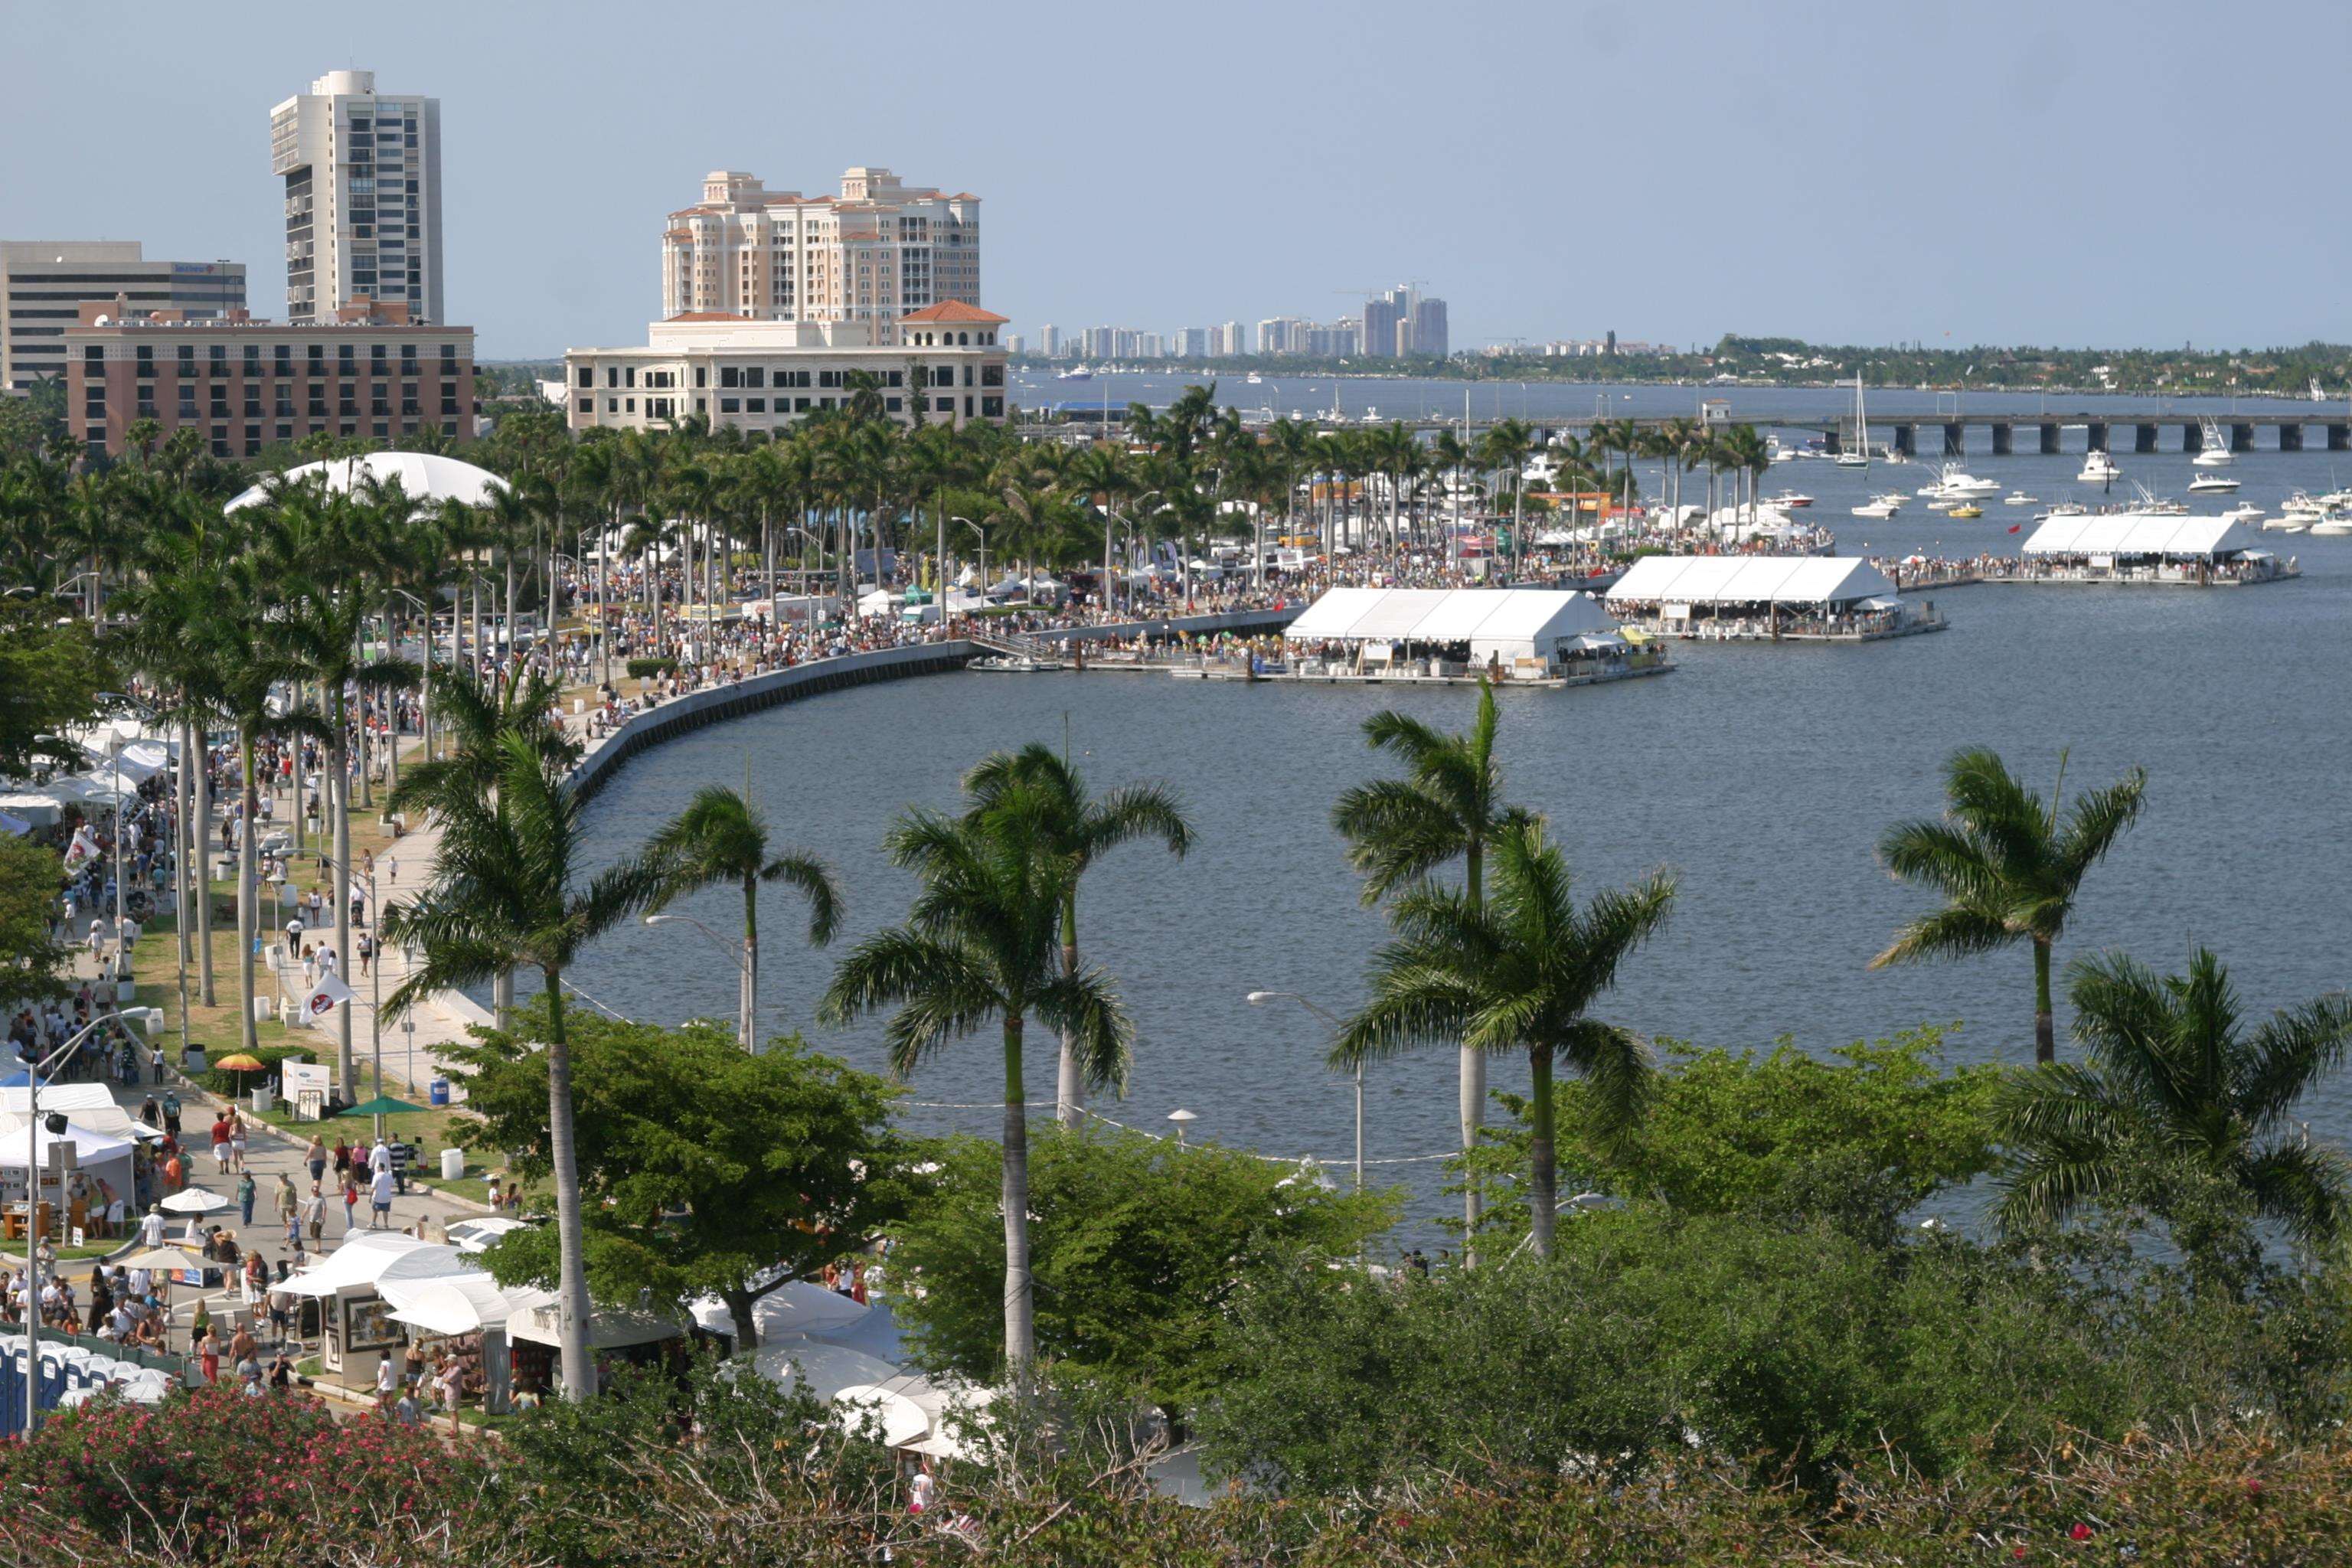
x,y
44,283
765,375
244,384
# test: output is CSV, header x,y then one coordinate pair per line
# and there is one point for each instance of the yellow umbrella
x,y
240,1064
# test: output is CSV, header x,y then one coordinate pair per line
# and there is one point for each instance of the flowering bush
x,y
213,1476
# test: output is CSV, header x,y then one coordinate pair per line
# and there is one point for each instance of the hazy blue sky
x,y
2150,173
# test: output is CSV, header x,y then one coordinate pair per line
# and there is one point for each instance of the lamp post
x,y
746,1003
33,1071
1260,998
1111,512
983,565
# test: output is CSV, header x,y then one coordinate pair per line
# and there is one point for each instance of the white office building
x,y
363,173
44,283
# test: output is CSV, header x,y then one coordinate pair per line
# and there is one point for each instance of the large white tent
x,y
2140,533
1832,582
424,476
453,1304
1499,623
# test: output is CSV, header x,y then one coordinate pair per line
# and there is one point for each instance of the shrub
x,y
647,668
227,1084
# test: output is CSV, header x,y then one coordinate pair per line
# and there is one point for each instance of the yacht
x,y
2242,514
2017,498
2332,525
1952,484
2098,468
2283,524
1859,458
1788,498
2212,447
1256,379
1882,507
2211,484
2302,505
1076,372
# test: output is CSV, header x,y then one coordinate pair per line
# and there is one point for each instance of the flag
x,y
324,998
2015,526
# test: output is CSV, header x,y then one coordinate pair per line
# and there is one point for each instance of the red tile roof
x,y
705,316
956,312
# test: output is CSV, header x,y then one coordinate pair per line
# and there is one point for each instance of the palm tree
x,y
504,896
722,837
1083,830
1505,445
2168,1067
2008,867
1518,973
1448,805
983,941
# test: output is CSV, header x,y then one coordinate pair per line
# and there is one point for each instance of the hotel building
x,y
868,256
243,384
44,283
363,173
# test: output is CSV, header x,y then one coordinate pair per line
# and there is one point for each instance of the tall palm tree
x,y
723,839
1449,806
983,942
2167,1066
505,895
1083,830
1518,973
1505,445
2009,868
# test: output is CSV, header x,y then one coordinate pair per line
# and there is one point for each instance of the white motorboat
x,y
2017,498
2212,447
2245,513
1015,664
2212,484
1256,379
2098,468
1953,484
2302,505
1880,507
2334,525
2281,524
1788,498
1860,456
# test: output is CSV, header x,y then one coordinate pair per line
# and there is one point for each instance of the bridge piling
x,y
2004,440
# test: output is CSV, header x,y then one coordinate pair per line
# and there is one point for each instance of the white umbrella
x,y
195,1200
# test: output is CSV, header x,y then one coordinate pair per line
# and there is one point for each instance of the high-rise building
x,y
44,283
1228,341
1381,314
875,253
1049,341
363,173
1014,343
1279,335
1429,331
1193,342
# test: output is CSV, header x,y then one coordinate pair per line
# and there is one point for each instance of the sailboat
x,y
1861,458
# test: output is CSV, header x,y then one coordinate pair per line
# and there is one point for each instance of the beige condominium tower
x,y
363,173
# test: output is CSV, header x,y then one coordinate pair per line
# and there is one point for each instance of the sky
x,y
2054,173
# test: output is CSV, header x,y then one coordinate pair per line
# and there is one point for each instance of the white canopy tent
x,y
2138,533
1496,623
824,1369
796,1307
531,1315
422,476
1838,582
453,1304
366,1259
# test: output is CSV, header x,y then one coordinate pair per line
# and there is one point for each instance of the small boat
x,y
1968,509
1076,372
2334,525
2242,514
1788,498
1256,379
2017,498
2211,484
1017,664
2098,468
1880,507
2302,505
2282,524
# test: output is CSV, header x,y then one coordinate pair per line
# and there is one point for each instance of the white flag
x,y
324,998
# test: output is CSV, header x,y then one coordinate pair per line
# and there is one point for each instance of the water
x,y
1762,774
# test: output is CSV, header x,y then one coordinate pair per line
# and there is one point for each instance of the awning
x,y
457,1304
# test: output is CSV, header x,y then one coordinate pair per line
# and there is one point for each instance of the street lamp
x,y
1260,998
1183,1119
33,1071
1111,512
746,1003
983,566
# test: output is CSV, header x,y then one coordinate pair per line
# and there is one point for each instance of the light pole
x,y
1260,998
983,566
746,1003
1110,512
33,1071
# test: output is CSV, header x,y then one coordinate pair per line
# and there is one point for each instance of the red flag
x,y
2015,526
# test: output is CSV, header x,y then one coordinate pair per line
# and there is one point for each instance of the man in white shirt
x,y
151,1228
381,1197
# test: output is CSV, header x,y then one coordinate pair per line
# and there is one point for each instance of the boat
x,y
2017,498
2212,447
1953,484
1076,372
1256,379
1968,509
1880,507
2246,514
1015,664
2211,484
2098,468
2302,505
1788,498
2317,395
1858,460
2334,525
2279,524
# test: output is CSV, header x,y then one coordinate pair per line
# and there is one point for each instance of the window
x,y
755,405
612,406
754,375
992,407
727,376
253,359
631,407
587,378
629,376
585,405
892,404
612,375
282,361
701,378
346,360
726,406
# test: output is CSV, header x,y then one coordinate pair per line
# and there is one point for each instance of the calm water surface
x,y
1762,774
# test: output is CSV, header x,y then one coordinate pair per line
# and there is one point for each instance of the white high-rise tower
x,y
362,172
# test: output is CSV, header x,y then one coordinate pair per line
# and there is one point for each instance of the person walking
x,y
315,1156
351,1204
286,1199
380,1186
246,1193
314,1213
237,1142
220,1139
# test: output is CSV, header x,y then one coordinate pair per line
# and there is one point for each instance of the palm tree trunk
x,y
339,797
1070,1088
183,786
1020,1304
245,913
2045,1026
572,1269
502,999
1473,1081
748,1002
1543,1173
196,757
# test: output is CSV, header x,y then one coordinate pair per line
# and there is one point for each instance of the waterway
x,y
1762,774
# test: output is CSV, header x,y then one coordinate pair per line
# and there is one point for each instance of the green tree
x,y
505,895
2170,1074
1448,805
31,875
2008,867
703,1169
50,677
1141,1246
721,839
983,942
1519,973
1084,830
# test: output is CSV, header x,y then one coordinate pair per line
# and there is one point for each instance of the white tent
x,y
1504,622
2133,533
796,1307
424,476
453,1304
78,1100
471,1236
902,1420
364,1258
1835,582
824,1369
531,1315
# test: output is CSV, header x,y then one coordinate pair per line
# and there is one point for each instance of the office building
x,y
1049,341
1193,342
44,283
870,255
1403,322
243,385
362,174
1381,314
764,375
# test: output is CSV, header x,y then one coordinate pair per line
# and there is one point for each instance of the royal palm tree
x,y
1518,973
721,838
504,895
2169,1068
1083,830
1448,806
2009,868
983,941
1504,446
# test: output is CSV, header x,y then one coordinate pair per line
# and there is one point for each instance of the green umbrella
x,y
381,1105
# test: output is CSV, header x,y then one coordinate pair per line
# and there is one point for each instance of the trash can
x,y
263,1007
438,1093
263,1099
453,1164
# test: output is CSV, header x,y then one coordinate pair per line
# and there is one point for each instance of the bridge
x,y
2150,432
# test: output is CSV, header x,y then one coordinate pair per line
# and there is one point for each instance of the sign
x,y
328,994
306,1083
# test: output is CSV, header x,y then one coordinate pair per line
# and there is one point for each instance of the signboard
x,y
307,1085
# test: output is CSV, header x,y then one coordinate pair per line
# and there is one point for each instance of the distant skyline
x,y
2107,176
